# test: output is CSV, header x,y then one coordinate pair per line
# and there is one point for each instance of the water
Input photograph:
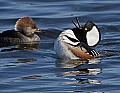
x,y
39,70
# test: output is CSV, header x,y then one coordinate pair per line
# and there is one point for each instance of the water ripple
x,y
39,70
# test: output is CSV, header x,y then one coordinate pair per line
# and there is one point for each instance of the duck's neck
x,y
31,38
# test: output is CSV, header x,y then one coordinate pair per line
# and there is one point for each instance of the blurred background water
x,y
39,70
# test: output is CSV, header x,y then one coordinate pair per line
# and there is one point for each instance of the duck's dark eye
x,y
34,27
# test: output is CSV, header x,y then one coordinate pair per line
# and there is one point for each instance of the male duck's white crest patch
x,y
93,36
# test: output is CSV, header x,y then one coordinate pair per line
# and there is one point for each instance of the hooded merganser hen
x,y
76,43
24,32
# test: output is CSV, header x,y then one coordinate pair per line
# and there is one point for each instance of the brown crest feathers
x,y
24,22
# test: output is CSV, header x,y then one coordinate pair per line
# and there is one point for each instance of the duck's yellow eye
x,y
86,29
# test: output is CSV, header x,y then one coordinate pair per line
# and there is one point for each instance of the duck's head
x,y
89,33
26,26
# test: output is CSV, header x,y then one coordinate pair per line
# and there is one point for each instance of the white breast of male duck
x,y
62,45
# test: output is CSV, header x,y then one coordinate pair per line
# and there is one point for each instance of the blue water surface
x,y
39,70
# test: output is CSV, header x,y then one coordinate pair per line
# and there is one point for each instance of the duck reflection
x,y
84,81
28,46
86,71
22,46
75,63
95,92
81,71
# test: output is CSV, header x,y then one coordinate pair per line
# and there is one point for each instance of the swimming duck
x,y
24,32
76,43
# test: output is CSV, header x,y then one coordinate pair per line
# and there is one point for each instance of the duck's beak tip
x,y
38,30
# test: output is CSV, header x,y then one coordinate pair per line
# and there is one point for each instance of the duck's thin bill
x,y
38,30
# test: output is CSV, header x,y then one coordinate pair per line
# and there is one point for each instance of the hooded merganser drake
x,y
76,43
24,32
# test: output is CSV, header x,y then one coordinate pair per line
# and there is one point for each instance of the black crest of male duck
x,y
76,43
24,32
